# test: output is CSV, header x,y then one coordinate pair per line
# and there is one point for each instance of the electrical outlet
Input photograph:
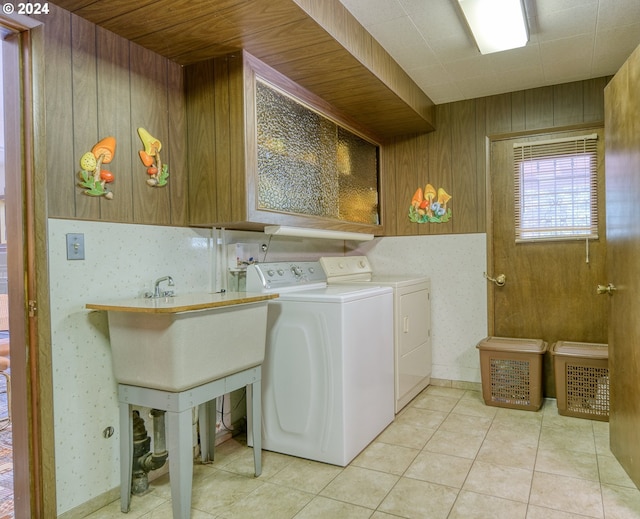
x,y
75,246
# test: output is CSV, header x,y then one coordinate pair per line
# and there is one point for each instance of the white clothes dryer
x,y
327,377
411,316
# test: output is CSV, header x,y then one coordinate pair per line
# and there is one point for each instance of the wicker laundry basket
x,y
511,371
582,379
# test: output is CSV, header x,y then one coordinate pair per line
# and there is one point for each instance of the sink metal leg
x,y
256,424
207,428
179,422
180,461
126,456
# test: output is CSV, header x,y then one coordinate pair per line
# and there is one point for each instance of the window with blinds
x,y
555,187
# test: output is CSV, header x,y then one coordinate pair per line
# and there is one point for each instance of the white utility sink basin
x,y
176,343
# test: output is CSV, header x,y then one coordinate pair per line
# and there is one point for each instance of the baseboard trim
x,y
457,384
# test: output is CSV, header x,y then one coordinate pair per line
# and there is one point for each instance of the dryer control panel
x,y
346,268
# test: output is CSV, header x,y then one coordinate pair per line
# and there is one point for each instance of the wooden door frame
x,y
33,438
489,140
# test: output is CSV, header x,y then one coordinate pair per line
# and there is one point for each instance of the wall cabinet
x,y
264,151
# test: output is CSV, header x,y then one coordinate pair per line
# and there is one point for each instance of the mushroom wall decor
x,y
93,178
430,206
150,157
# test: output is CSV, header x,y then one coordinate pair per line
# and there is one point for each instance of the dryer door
x,y
413,346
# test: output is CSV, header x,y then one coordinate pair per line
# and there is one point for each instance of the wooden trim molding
x,y
32,396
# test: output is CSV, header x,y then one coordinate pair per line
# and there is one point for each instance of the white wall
x,y
123,260
120,261
455,264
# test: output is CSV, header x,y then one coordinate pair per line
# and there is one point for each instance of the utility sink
x,y
176,343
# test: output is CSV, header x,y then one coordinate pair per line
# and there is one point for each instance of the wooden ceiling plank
x,y
318,44
337,62
100,12
73,5
203,54
262,43
132,20
317,48
214,25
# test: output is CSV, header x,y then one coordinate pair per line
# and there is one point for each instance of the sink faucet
x,y
159,293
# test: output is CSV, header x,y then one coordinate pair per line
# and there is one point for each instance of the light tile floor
x,y
447,455
6,455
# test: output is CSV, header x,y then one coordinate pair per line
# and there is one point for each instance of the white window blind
x,y
555,187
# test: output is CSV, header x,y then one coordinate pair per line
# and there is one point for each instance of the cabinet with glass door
x,y
264,151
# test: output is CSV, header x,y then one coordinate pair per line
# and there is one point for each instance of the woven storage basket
x,y
511,371
582,379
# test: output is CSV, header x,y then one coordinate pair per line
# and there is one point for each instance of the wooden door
x,y
31,387
622,115
549,291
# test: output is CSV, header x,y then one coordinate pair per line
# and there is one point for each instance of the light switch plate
x,y
75,246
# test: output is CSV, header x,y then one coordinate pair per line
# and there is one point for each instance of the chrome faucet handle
x,y
160,293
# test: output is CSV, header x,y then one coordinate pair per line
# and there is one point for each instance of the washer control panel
x,y
281,275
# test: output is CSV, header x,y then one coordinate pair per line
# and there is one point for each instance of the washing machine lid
x,y
357,269
336,293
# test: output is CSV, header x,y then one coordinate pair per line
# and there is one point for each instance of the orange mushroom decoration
x,y
146,159
443,198
106,176
92,177
429,194
150,157
417,198
104,152
430,205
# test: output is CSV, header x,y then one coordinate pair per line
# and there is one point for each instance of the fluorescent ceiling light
x,y
304,232
496,24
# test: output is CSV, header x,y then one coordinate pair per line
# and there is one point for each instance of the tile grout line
x,y
459,491
535,460
595,445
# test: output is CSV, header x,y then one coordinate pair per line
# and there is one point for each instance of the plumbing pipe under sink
x,y
144,461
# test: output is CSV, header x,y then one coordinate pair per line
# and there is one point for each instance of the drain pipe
x,y
143,460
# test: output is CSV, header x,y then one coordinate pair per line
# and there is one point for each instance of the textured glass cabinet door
x,y
309,165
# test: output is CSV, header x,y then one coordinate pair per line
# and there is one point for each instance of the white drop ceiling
x,y
569,40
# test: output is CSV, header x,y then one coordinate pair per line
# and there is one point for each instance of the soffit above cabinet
x,y
319,45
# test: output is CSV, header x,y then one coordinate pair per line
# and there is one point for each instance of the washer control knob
x,y
341,265
270,272
296,270
312,270
361,264
280,272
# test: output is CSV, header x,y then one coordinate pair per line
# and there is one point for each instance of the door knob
x,y
606,289
499,280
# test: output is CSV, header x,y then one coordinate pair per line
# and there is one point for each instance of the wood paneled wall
x,y
99,84
454,156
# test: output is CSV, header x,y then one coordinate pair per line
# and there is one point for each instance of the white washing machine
x,y
412,320
327,377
